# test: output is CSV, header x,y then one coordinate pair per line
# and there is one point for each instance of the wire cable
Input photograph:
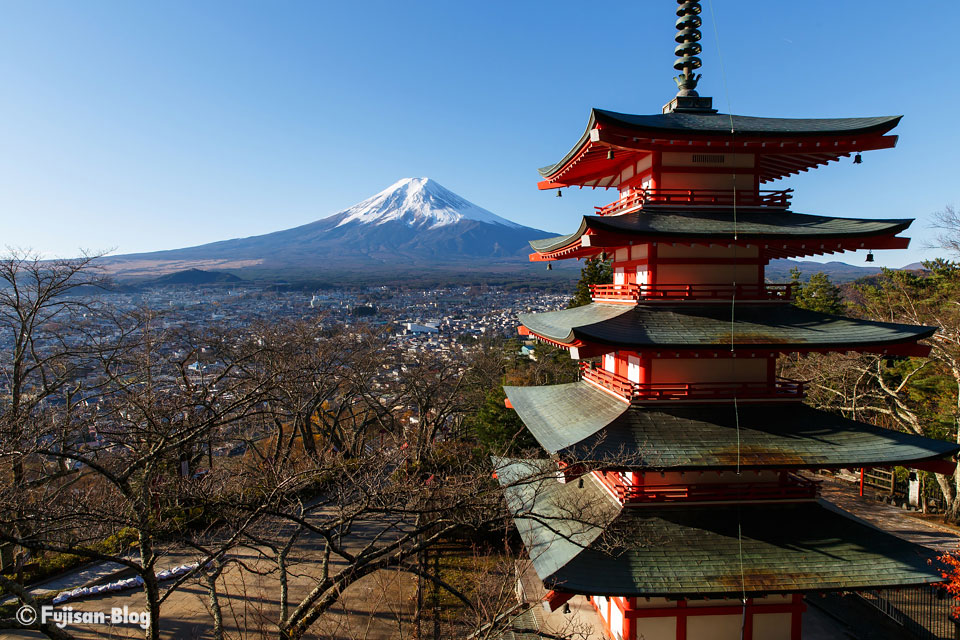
x,y
733,304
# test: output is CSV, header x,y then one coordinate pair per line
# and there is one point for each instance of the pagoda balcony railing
x,y
632,293
780,389
792,487
697,197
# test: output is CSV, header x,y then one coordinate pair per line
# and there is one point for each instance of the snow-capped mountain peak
x,y
418,202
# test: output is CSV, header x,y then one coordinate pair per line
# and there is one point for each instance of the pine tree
x,y
817,294
595,271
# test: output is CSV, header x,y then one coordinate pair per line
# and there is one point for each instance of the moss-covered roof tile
x,y
578,421
717,551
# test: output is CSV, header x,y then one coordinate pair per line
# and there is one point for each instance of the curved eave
x,y
630,133
692,327
792,235
580,542
773,225
577,421
719,124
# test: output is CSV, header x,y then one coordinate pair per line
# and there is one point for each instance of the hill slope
x,y
414,225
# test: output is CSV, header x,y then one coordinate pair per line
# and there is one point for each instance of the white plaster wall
x,y
771,626
657,629
616,619
716,602
602,605
654,603
714,627
610,362
774,599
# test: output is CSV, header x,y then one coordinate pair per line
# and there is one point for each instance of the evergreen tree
x,y
499,428
817,294
595,271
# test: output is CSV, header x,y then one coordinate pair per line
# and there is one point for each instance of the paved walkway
x,y
887,517
83,576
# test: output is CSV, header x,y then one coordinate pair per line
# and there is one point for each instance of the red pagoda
x,y
694,446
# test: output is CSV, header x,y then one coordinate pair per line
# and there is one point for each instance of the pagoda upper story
x,y
694,174
661,158
691,221
691,232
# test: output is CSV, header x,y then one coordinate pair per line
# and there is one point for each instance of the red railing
x,y
618,384
699,197
632,293
616,292
781,389
628,203
790,487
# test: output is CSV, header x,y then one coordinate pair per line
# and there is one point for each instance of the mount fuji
x,y
420,203
414,225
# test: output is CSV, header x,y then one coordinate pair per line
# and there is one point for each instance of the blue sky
x,y
138,126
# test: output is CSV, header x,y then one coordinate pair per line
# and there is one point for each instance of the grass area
x,y
480,574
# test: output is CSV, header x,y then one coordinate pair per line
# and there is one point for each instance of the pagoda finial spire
x,y
688,47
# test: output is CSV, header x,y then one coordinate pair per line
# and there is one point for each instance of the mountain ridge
x,y
413,225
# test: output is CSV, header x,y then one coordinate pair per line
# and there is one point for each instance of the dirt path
x,y
380,606
375,608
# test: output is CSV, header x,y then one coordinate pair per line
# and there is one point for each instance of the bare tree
x,y
130,490
947,224
350,466
887,390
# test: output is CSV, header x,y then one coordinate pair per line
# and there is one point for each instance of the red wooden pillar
x,y
682,621
629,621
861,482
796,617
652,264
655,166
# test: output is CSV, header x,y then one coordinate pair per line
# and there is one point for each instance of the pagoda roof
x,y
769,228
692,326
580,541
837,137
578,421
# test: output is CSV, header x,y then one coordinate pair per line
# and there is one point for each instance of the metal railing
x,y
700,197
780,389
633,292
924,612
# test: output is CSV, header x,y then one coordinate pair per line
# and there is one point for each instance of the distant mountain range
x,y
415,232
779,270
415,226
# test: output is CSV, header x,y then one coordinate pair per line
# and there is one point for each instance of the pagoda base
x,y
774,617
